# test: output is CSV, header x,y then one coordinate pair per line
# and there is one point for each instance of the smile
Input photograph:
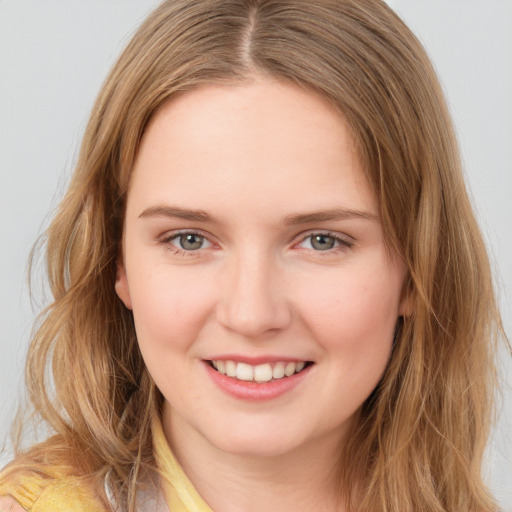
x,y
267,372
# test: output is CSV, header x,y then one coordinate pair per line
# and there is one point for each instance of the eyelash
x,y
166,241
341,243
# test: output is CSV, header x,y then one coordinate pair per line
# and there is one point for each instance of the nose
x,y
253,301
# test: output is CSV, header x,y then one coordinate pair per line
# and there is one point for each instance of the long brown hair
x,y
419,441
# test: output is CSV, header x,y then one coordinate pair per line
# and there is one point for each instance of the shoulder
x,y
9,504
29,487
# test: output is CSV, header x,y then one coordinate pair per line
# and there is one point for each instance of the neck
x,y
303,479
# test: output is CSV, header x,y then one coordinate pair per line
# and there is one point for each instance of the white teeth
x,y
230,368
263,373
289,369
260,373
278,371
244,372
221,367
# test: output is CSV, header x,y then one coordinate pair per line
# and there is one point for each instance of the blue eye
x,y
189,241
324,242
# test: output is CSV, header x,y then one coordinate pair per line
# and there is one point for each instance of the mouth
x,y
261,373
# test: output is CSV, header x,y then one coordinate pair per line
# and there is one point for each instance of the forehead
x,y
261,139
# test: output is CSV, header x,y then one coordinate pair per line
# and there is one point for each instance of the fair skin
x,y
252,240
9,504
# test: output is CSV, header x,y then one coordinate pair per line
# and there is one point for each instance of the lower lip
x,y
253,391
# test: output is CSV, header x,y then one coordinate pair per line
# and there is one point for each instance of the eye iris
x,y
322,242
191,242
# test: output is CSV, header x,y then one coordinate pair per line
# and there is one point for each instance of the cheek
x,y
354,314
169,306
353,320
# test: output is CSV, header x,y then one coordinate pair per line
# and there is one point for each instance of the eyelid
x,y
170,236
178,236
173,233
344,240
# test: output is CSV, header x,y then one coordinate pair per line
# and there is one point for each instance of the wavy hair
x,y
420,436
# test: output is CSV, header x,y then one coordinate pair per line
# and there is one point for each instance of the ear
x,y
407,304
121,286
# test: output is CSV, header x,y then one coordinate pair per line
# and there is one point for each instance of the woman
x,y
267,263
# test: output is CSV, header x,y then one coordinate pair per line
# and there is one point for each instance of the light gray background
x,y
54,55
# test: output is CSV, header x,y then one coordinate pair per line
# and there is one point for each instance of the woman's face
x,y
264,298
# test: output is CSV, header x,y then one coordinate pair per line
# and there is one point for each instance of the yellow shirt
x,y
64,493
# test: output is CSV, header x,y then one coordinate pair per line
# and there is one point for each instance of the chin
x,y
265,438
257,446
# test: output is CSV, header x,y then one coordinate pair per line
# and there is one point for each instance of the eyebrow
x,y
329,215
176,212
295,219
